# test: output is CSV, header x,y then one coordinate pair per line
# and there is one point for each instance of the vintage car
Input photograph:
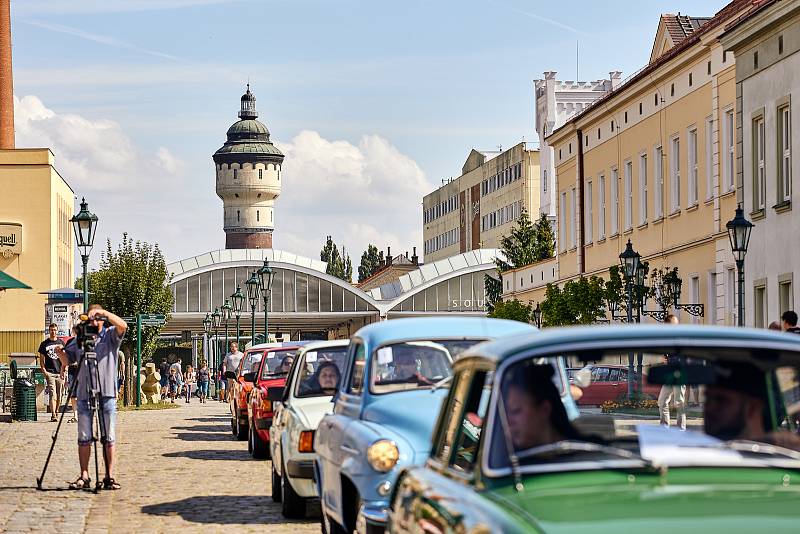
x,y
609,382
258,409
304,401
506,457
242,388
395,379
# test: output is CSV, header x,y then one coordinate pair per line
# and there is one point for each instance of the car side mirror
x,y
275,394
230,374
249,377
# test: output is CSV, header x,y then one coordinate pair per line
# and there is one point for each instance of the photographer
x,y
111,331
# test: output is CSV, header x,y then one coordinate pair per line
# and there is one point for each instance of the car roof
x,y
318,345
440,328
657,336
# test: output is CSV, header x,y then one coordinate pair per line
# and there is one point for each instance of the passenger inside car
x,y
324,381
534,410
286,365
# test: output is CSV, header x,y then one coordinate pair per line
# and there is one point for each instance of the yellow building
x,y
476,209
654,162
35,207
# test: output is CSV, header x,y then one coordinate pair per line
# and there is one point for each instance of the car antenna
x,y
515,470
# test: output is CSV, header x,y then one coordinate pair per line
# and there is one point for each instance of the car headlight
x,y
383,455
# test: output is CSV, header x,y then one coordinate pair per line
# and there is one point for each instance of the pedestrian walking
x,y
190,381
789,322
178,375
202,382
163,370
172,384
231,363
672,394
51,369
221,383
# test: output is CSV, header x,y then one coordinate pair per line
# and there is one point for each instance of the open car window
x,y
272,364
250,362
714,402
320,371
414,364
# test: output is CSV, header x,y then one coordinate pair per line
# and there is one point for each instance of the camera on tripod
x,y
86,333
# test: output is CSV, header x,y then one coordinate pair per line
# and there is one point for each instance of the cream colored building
x,y
37,204
654,162
476,209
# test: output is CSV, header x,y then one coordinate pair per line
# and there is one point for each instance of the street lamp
x,y
226,315
207,332
267,275
537,315
739,230
253,284
85,225
629,259
238,301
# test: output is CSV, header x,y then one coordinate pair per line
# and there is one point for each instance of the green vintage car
x,y
506,457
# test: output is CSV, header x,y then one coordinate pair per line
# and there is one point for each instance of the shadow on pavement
x,y
249,510
205,428
204,436
215,419
211,454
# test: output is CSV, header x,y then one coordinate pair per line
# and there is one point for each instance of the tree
x,y
339,265
132,280
580,301
371,261
545,247
513,310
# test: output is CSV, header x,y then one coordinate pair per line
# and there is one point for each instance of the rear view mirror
x,y
249,377
275,394
681,375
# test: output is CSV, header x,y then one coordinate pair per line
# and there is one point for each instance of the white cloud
x,y
359,194
168,161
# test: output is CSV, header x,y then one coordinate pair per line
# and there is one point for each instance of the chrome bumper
x,y
372,518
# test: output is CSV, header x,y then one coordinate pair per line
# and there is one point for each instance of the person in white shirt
x,y
231,363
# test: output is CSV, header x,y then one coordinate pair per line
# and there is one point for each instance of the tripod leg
x,y
101,426
72,387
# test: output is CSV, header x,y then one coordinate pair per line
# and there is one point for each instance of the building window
x,y
785,297
690,79
238,216
655,99
755,59
598,133
785,154
709,158
694,293
260,174
708,68
544,181
672,90
562,221
628,196
759,167
612,127
658,194
728,144
614,202
601,215
760,307
626,117
691,155
730,296
643,189
258,216
712,297
780,44
675,176
559,153
572,219
640,108
724,56
589,213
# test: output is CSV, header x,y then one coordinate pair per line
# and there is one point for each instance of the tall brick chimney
x,y
6,79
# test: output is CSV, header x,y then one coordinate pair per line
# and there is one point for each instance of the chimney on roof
x,y
388,256
6,79
414,257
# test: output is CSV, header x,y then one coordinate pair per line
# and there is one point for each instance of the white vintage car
x,y
305,400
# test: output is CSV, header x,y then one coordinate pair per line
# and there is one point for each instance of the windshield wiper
x,y
561,448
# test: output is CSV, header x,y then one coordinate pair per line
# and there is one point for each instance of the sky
x,y
374,103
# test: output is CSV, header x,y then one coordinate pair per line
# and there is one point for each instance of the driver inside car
x,y
735,406
405,369
534,410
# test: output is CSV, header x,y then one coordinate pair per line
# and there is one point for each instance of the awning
x,y
9,282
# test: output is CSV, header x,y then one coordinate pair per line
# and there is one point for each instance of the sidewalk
x,y
180,469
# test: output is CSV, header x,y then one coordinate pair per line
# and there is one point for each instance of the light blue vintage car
x,y
396,375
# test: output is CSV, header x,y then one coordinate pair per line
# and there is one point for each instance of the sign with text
x,y
65,316
10,239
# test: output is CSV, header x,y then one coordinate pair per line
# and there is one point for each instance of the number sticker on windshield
x,y
385,355
311,357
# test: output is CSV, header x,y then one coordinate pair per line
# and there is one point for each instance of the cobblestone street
x,y
181,471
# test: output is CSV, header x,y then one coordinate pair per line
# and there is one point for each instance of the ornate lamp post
x,y
267,275
215,321
206,332
630,261
238,301
84,223
226,315
253,284
739,230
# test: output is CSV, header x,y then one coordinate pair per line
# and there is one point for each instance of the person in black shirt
x,y
163,370
51,369
789,320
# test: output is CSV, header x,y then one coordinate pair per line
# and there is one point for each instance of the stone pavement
x,y
181,471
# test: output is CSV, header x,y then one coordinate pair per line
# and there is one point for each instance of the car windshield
x,y
250,362
319,371
698,406
278,362
414,364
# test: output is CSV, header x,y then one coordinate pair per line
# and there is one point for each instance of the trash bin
x,y
24,403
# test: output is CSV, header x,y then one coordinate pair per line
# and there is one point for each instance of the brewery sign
x,y
10,239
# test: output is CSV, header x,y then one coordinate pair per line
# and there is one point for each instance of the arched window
x,y
237,216
258,215
235,173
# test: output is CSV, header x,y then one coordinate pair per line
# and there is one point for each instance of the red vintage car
x,y
270,374
249,363
609,382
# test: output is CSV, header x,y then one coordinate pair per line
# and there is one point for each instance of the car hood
x,y
409,414
310,411
684,499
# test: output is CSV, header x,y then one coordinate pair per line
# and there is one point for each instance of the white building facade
x,y
766,43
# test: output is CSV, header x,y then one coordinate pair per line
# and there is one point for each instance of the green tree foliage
x,y
132,279
545,247
580,301
513,310
339,265
371,261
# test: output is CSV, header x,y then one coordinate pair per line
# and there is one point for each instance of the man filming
x,y
112,329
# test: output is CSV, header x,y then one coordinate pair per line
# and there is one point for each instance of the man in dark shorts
x,y
51,369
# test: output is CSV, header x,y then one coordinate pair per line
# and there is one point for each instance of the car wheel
x,y
258,447
276,486
293,506
242,431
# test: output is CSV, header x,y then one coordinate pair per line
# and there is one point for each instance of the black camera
x,y
86,333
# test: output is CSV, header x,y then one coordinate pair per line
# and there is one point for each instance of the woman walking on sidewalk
x,y
202,382
190,381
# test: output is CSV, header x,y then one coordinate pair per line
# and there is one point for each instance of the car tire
x,y
242,431
276,486
257,446
293,506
